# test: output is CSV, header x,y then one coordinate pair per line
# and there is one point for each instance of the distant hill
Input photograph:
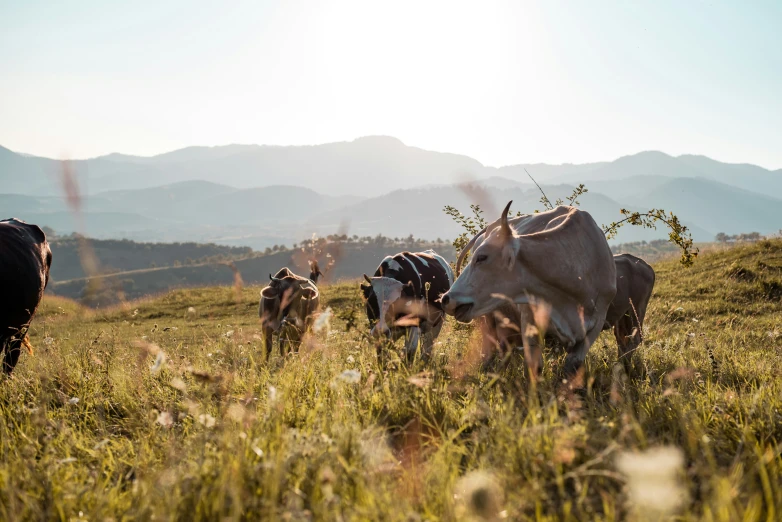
x,y
368,166
258,196
136,271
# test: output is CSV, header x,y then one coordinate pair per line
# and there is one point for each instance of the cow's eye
x,y
480,258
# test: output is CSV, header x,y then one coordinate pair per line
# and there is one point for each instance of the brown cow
x,y
501,330
634,285
25,260
559,257
287,308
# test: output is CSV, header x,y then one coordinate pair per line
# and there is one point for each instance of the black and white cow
x,y
403,298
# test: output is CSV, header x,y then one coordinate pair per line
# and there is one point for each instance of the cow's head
x,y
387,300
282,294
492,273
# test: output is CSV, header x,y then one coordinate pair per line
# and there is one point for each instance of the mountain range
x,y
262,195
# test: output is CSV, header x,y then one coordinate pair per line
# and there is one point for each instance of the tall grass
x,y
166,409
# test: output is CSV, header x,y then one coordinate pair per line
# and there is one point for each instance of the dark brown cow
x,y
287,308
25,260
634,285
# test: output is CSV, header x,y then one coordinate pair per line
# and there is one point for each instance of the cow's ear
x,y
509,252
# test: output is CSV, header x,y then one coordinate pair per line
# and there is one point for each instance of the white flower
x,y
191,310
323,322
653,480
207,420
165,419
73,400
228,334
351,359
48,340
350,376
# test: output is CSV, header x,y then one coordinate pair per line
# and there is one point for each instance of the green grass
x,y
295,439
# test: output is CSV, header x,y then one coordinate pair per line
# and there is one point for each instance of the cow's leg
x,y
12,350
412,342
574,362
533,355
267,341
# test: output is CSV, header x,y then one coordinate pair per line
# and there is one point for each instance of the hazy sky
x,y
503,82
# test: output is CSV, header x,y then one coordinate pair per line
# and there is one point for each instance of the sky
x,y
504,82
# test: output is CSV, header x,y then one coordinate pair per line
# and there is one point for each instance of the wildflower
x,y
350,376
165,419
178,384
228,334
191,310
207,420
48,341
351,359
73,400
652,480
323,321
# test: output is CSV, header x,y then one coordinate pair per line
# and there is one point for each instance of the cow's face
x,y
386,299
278,298
490,279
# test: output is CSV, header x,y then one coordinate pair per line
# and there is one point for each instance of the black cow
x,y
403,298
25,260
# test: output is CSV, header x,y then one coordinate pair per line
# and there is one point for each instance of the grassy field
x,y
166,410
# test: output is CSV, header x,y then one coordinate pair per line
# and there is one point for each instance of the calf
x,y
25,260
287,308
403,299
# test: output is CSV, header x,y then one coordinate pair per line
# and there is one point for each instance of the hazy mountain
x,y
716,207
369,166
420,211
262,195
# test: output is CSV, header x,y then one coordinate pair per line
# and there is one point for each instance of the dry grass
x,y
159,411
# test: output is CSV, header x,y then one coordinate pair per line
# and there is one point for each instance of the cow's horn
x,y
272,278
368,279
506,231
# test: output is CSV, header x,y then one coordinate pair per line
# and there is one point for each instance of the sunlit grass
x,y
96,423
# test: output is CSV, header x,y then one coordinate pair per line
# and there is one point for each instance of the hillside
x,y
132,270
167,408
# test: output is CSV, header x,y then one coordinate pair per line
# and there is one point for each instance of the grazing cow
x,y
634,285
25,260
402,299
559,259
287,307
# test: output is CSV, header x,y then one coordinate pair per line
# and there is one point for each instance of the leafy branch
x,y
679,234
471,225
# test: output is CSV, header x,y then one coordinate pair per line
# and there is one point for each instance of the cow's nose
x,y
445,299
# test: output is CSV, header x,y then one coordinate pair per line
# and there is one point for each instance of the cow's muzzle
x,y
459,308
